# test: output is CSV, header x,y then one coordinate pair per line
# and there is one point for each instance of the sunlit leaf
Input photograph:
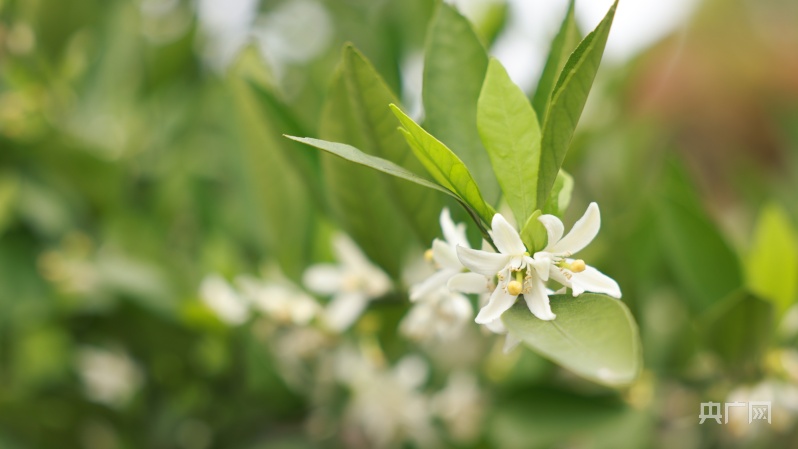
x,y
455,63
510,131
567,102
444,166
562,46
594,336
772,264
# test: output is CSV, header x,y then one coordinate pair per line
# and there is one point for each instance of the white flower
x,y
554,261
461,406
220,297
444,253
109,377
442,314
513,268
352,283
281,300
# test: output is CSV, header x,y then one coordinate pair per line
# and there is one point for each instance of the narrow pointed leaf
x,y
594,336
510,131
370,97
562,46
772,264
454,66
567,102
444,166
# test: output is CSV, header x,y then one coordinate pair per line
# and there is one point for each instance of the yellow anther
x,y
578,266
515,288
428,255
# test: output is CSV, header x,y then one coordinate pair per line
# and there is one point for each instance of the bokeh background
x,y
143,188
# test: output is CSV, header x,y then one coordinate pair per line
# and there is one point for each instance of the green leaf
x,y
359,201
560,196
282,219
454,66
370,97
772,264
533,233
510,131
738,329
444,166
567,102
594,336
352,154
702,262
562,46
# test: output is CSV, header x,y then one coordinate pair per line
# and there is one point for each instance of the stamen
x,y
515,288
428,255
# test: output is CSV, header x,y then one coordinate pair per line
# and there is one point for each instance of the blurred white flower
x,y
220,297
783,398
294,32
226,26
109,377
554,260
442,314
461,406
513,268
386,404
444,254
280,300
352,283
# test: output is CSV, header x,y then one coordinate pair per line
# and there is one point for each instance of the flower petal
x,y
583,232
469,283
499,302
344,309
506,237
496,326
554,229
541,264
445,256
432,283
538,301
482,262
454,234
323,278
592,280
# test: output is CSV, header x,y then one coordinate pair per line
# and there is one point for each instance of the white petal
x,y
482,262
592,280
348,253
469,283
538,301
510,343
454,234
506,237
323,278
344,309
557,275
445,255
499,303
459,307
583,232
541,264
496,326
431,284
554,229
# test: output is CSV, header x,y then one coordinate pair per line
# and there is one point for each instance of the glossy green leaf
x,y
560,196
772,264
567,102
358,197
455,63
352,154
738,329
533,233
703,264
281,211
370,97
594,336
444,166
562,46
510,132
